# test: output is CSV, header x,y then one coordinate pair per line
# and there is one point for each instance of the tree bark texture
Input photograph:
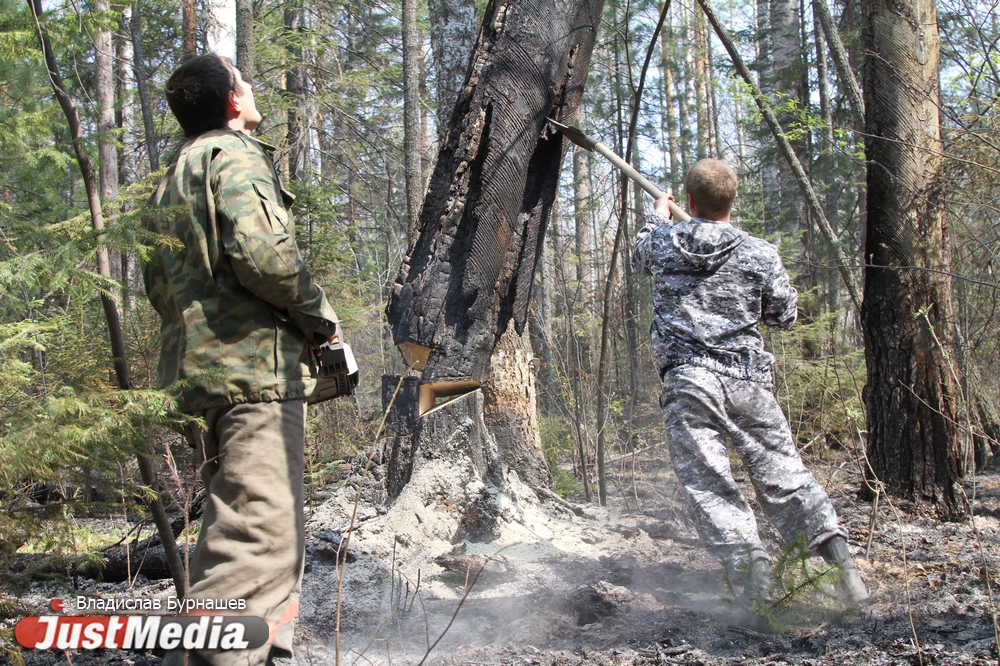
x,y
912,398
139,71
510,412
104,82
412,132
669,120
189,47
456,435
785,205
701,104
296,84
453,35
244,38
473,254
581,236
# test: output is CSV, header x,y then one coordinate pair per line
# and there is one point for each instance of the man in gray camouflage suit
x,y
713,284
240,314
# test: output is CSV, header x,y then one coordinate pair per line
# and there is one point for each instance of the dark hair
x,y
712,186
198,93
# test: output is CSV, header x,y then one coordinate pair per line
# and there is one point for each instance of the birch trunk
x,y
453,34
412,133
670,120
782,82
104,82
701,101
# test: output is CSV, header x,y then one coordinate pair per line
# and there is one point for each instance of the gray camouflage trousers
x,y
251,544
701,409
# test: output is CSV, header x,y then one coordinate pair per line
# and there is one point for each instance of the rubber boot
x,y
835,551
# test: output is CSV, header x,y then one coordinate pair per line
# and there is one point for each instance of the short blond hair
x,y
711,184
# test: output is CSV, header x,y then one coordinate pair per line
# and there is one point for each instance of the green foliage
x,y
557,443
68,437
820,370
798,591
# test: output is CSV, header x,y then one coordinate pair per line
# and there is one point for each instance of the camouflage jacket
x,y
712,285
236,301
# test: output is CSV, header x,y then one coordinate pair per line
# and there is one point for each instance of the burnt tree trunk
x,y
475,248
912,398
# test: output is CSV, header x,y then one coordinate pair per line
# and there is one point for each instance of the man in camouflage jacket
x,y
713,284
240,313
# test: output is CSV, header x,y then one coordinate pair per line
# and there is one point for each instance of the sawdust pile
x,y
463,526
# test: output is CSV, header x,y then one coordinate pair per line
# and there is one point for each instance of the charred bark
x,y
912,398
476,246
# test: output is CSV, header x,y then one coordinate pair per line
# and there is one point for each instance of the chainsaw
x,y
338,372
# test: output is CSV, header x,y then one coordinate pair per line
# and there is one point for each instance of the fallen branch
x,y
465,595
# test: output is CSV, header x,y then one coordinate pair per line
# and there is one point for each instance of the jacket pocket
x,y
274,207
290,357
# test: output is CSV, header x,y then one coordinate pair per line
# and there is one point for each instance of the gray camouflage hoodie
x,y
712,285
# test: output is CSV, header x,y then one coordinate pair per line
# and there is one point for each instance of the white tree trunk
x,y
781,81
453,34
412,133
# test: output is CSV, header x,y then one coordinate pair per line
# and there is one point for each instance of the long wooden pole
x,y
587,142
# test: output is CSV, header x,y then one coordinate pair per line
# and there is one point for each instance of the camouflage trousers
x,y
251,544
701,410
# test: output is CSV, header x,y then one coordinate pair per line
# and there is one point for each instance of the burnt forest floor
x,y
930,600
637,588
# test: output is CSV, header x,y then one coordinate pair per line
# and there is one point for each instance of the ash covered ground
x,y
555,583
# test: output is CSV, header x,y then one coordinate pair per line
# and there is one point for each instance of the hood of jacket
x,y
705,244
